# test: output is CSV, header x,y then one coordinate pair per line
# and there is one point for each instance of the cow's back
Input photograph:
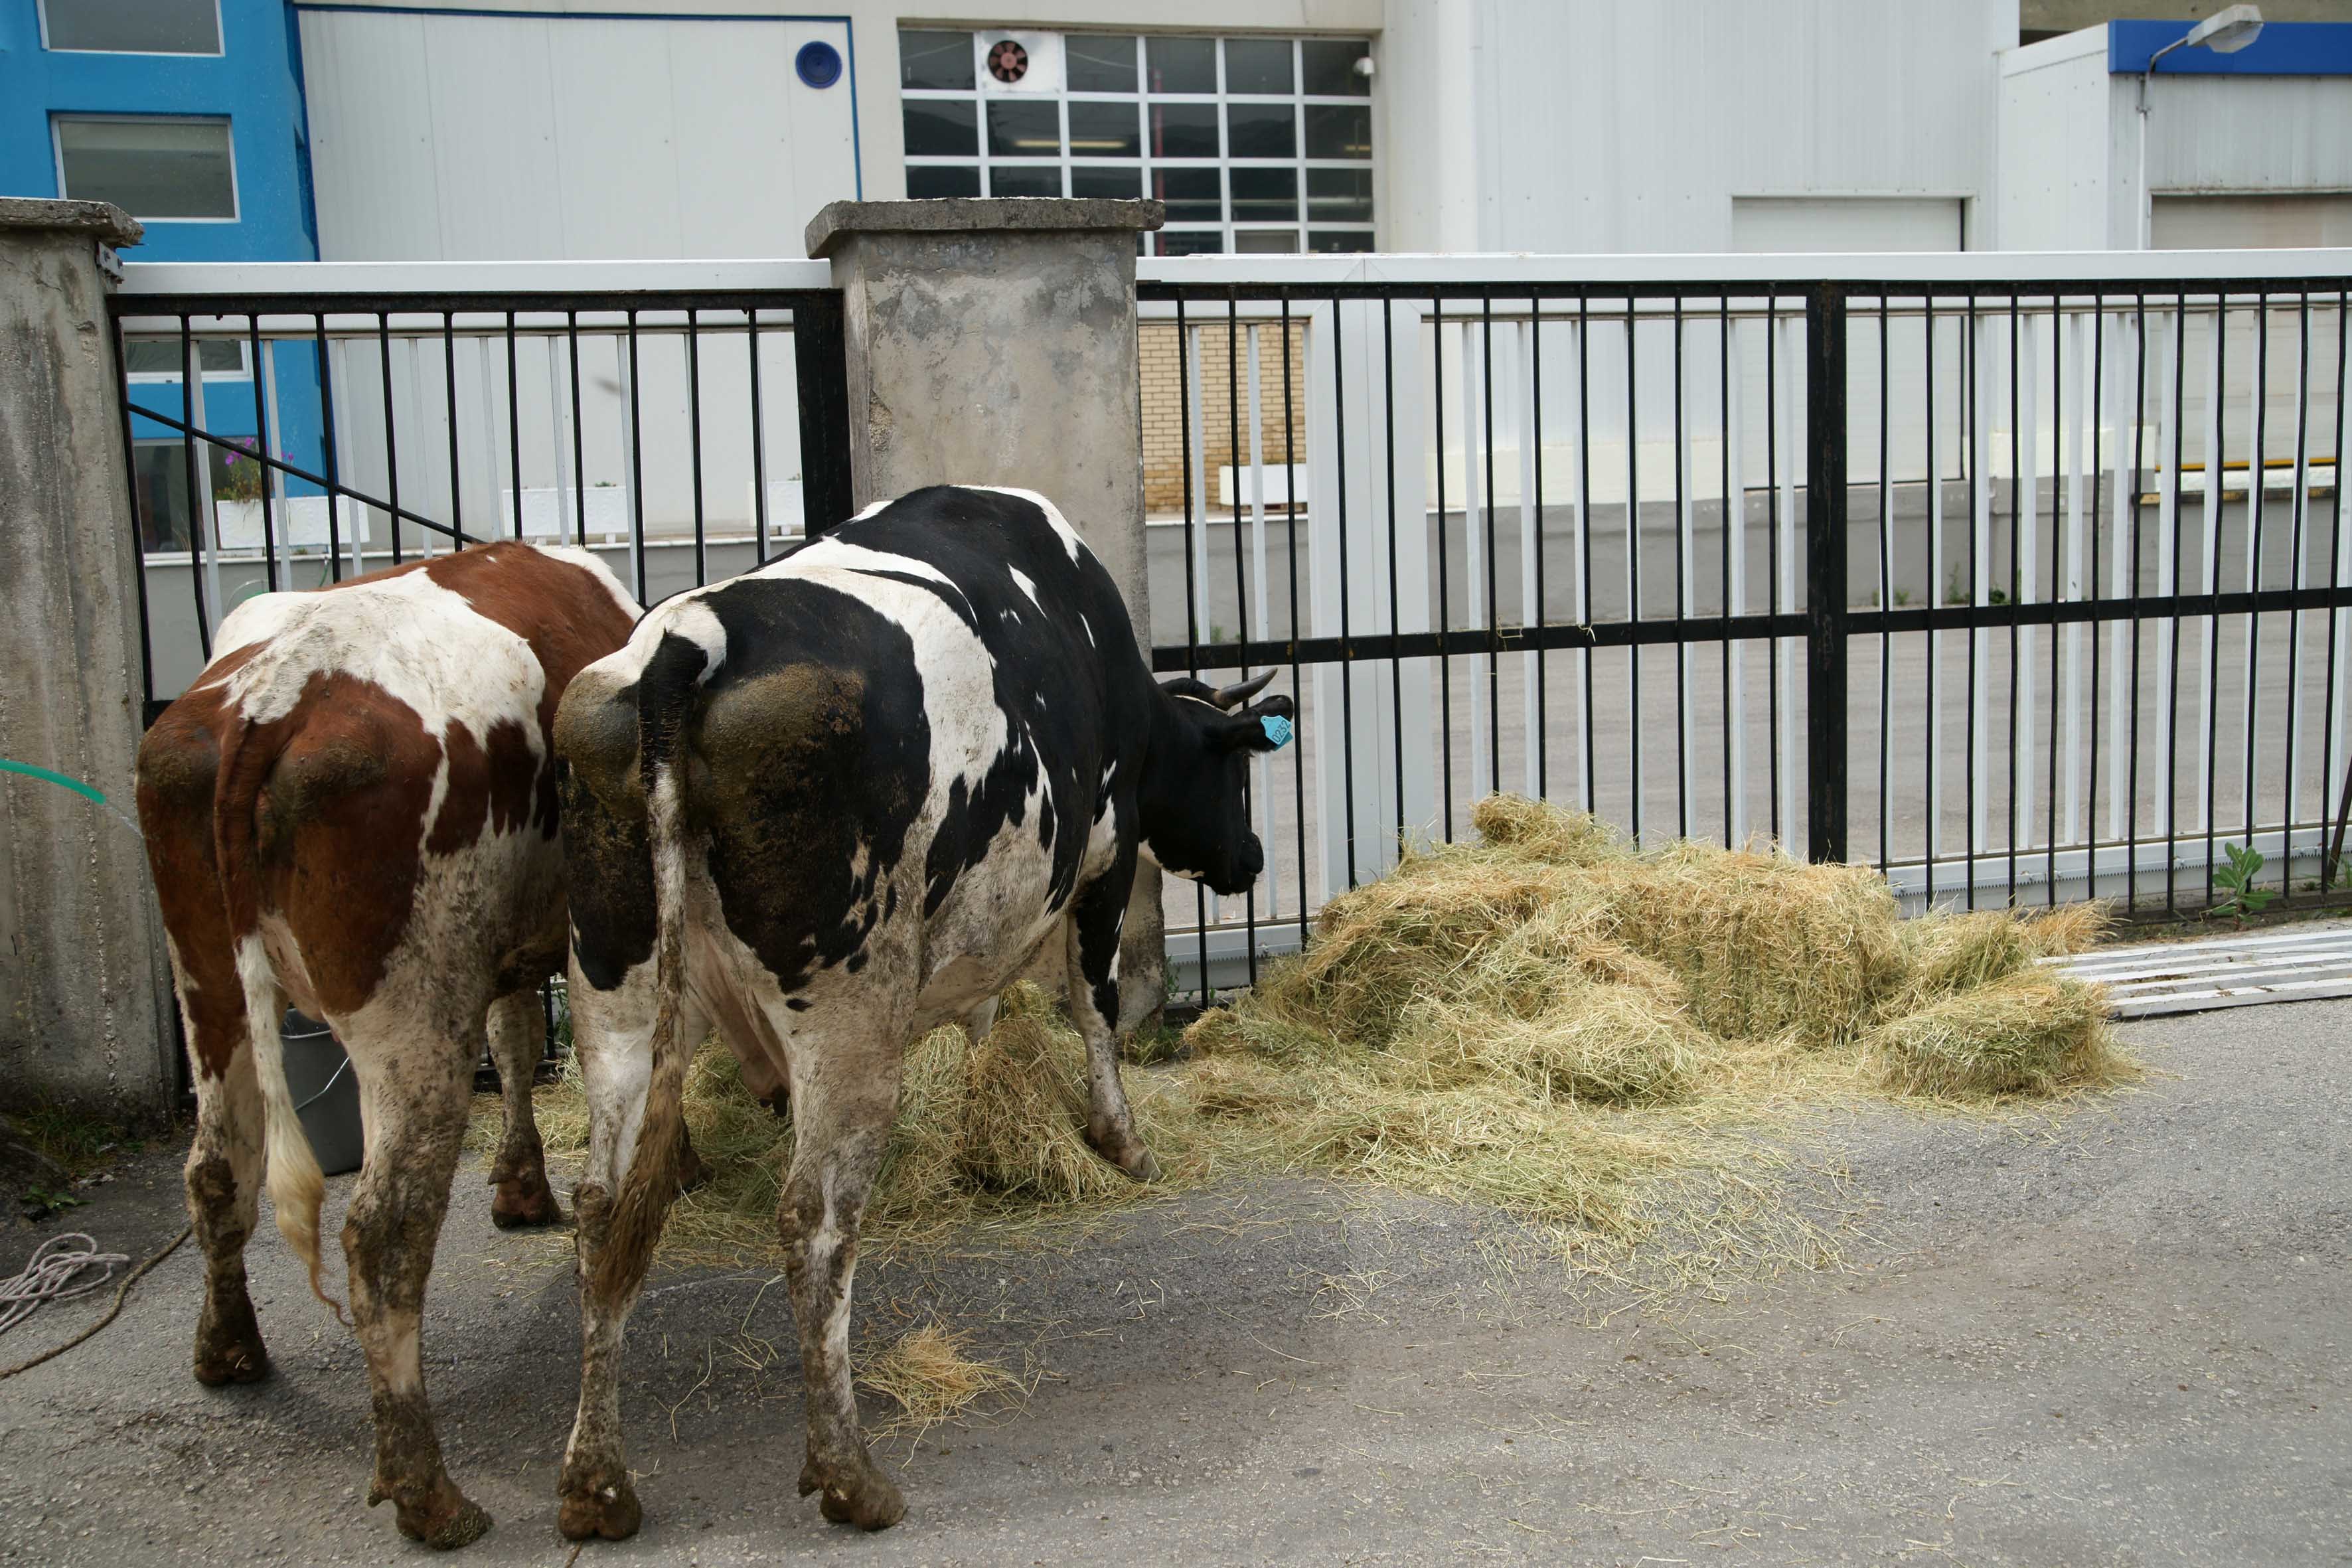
x,y
345,740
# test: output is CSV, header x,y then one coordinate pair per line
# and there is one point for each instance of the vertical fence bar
x,y
1529,394
2298,497
1682,595
1444,589
204,559
2210,567
1580,548
1826,572
632,388
449,383
514,426
1477,608
2169,446
1886,585
275,480
1256,558
2255,509
2075,392
328,440
2339,626
694,445
2025,549
759,444
554,448
1734,585
1633,559
1784,575
1297,682
1241,584
579,447
1978,449
391,436
261,429
2057,583
1935,599
138,522
821,367
1494,602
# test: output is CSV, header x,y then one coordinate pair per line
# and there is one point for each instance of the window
x,y
132,26
1256,144
152,169
159,473
158,359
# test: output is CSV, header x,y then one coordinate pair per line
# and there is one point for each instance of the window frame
x,y
59,117
1227,229
244,371
218,50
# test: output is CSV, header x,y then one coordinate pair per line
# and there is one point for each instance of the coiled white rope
x,y
50,1275
54,1273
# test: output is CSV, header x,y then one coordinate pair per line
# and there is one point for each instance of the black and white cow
x,y
827,806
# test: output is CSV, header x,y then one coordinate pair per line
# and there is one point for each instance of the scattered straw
x,y
1620,1050
931,1379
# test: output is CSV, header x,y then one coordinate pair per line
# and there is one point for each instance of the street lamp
x,y
2225,33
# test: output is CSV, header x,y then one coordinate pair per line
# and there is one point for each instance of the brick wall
x,y
1163,407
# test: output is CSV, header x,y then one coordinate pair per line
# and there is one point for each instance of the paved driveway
x,y
2116,1339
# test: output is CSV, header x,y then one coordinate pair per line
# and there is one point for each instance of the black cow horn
x,y
1231,697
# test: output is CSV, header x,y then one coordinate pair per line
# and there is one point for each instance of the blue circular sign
x,y
819,64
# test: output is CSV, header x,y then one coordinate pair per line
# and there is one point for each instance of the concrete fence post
x,y
85,992
994,341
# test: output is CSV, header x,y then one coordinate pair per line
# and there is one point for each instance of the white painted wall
x,y
2070,142
479,138
2055,146
1606,127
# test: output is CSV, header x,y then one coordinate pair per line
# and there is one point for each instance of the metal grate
x,y
2307,962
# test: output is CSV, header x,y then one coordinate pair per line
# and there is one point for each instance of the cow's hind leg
x,y
844,1105
417,1087
223,1177
613,1031
518,1030
1097,918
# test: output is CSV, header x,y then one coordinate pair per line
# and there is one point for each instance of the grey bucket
x,y
326,1093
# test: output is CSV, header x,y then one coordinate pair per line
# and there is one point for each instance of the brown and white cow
x,y
354,809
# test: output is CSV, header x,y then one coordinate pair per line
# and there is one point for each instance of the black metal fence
x,y
284,440
268,447
2025,592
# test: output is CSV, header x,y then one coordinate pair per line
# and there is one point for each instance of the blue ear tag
x,y
1278,729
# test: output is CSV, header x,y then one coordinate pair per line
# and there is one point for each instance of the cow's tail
x,y
651,1179
297,1187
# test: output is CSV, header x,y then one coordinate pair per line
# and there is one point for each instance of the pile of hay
x,y
1613,1047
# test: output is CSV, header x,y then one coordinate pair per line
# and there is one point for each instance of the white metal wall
x,y
456,137
1631,128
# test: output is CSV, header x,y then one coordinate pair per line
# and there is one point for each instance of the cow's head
x,y
1195,813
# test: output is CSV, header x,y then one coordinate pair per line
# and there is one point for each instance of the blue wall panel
x,y
255,82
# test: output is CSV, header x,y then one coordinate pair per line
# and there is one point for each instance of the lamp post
x,y
2225,33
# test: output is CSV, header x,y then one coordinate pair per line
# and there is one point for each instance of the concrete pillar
x,y
992,341
85,994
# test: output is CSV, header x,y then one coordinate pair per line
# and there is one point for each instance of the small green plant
x,y
242,476
1902,596
39,1203
2235,882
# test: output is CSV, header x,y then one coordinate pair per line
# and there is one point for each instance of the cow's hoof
x,y
691,1170
444,1519
859,1496
524,1201
229,1348
1126,1150
607,1513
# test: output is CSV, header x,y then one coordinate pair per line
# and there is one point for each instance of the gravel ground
x,y
2114,1338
